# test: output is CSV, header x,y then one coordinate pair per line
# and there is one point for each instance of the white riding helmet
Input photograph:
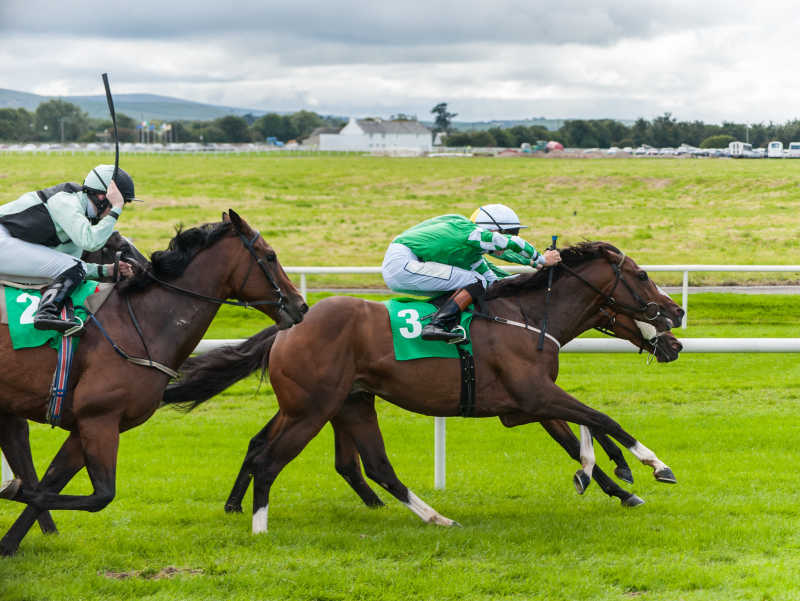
x,y
496,217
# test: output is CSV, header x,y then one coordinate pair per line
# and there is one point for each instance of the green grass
x,y
345,210
726,424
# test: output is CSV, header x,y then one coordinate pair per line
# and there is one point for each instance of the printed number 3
x,y
412,319
30,310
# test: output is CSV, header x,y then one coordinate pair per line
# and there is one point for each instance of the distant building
x,y
376,135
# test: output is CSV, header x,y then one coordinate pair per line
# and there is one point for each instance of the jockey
x,y
446,253
43,233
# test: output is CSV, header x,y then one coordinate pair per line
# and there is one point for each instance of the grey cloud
x,y
369,24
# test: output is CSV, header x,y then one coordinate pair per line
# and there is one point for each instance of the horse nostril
x,y
304,308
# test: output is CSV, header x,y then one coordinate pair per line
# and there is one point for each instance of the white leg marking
x,y
426,512
260,520
646,456
587,451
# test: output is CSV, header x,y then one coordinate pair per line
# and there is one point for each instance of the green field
x,y
726,424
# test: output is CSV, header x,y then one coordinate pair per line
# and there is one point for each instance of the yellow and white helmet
x,y
497,218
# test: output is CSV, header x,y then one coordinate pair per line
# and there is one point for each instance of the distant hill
x,y
145,107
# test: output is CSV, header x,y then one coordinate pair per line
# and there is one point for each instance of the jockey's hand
x,y
115,196
551,257
125,269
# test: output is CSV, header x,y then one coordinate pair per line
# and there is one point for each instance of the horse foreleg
x,y
623,470
367,435
555,403
348,462
16,446
560,432
67,462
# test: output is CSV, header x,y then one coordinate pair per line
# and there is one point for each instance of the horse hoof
x,y
233,508
624,474
632,501
10,488
665,475
581,481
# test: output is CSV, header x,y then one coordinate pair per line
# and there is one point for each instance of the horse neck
x,y
571,309
175,322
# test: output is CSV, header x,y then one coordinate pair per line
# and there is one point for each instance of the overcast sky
x,y
495,59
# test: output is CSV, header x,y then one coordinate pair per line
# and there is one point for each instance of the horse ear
x,y
225,217
238,222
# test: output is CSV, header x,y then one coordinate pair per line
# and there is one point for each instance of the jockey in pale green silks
x,y
44,233
447,253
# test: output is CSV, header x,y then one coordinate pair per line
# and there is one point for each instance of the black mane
x,y
570,256
171,263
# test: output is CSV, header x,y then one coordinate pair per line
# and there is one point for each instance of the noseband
x,y
650,310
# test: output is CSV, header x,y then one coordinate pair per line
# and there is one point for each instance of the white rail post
x,y
685,300
303,286
6,471
440,453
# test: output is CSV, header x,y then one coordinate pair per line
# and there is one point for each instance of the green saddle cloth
x,y
407,316
21,306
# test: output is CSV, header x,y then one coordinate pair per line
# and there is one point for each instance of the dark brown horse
x,y
330,367
14,431
160,314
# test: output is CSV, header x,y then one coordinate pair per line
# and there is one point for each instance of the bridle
x,y
609,330
650,310
250,246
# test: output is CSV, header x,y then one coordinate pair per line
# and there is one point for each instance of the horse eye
x,y
642,275
271,256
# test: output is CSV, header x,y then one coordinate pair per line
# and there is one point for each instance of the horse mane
x,y
570,256
171,263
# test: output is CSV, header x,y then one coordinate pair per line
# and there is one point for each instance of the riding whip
x,y
547,300
110,101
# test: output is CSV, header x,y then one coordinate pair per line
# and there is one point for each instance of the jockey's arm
x,y
494,242
68,214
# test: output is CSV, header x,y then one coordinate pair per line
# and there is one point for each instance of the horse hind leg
x,y
622,469
15,444
242,483
348,461
287,437
368,440
68,461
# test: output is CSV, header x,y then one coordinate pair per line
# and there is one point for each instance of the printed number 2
x,y
30,310
412,319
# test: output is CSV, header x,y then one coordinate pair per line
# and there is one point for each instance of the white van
x,y
742,150
793,151
775,150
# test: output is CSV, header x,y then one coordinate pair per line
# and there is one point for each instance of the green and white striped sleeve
x,y
489,241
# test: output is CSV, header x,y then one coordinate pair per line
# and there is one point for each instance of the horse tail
x,y
203,376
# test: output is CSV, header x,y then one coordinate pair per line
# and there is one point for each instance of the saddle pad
x,y
20,305
406,318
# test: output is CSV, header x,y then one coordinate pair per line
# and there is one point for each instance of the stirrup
x,y
462,333
76,328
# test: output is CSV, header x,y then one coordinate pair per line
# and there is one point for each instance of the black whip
x,y
110,101
547,299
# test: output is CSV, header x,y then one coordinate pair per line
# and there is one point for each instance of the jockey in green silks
x,y
446,253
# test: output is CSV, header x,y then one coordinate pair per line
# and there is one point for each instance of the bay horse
x,y
14,431
330,367
206,375
175,300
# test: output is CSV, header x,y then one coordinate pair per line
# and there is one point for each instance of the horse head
x,y
268,280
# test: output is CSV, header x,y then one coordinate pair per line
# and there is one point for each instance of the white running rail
x,y
684,269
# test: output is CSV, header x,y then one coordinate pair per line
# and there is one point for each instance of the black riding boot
x,y
449,315
48,316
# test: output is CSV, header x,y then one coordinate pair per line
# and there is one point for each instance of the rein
x,y
250,246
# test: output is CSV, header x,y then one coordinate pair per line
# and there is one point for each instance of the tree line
x,y
61,121
663,131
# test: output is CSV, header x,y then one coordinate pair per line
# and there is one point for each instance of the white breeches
x,y
24,262
404,272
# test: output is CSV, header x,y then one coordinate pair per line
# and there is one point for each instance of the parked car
x,y
775,150
793,152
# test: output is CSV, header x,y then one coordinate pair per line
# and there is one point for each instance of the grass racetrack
x,y
726,424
